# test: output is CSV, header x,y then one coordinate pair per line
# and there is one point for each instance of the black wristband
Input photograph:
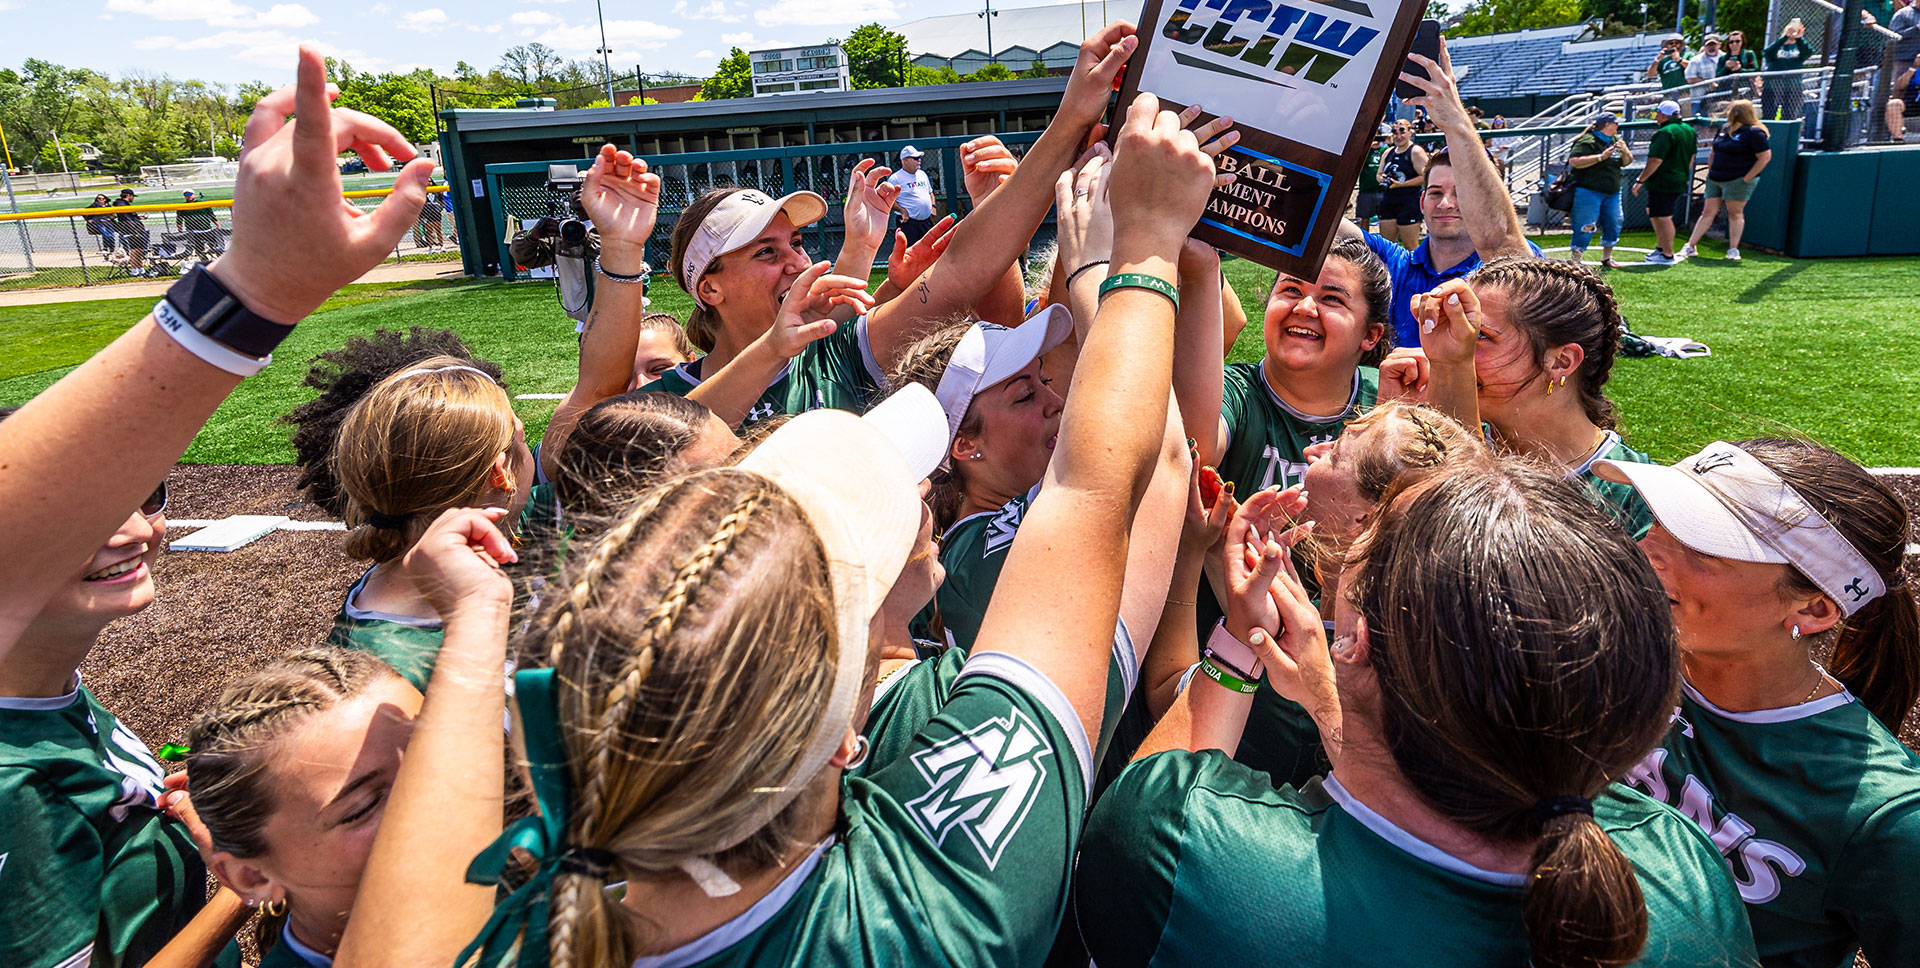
x,y
1075,274
219,314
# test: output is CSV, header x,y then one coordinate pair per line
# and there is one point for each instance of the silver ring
x,y
1082,193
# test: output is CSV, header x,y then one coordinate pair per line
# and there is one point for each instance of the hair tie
x,y
422,371
589,861
387,522
1546,810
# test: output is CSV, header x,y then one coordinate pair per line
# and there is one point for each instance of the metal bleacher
x,y
1499,63
1554,60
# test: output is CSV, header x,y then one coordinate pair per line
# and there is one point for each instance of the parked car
x,y
352,166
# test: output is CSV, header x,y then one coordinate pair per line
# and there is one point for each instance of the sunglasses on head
x,y
155,502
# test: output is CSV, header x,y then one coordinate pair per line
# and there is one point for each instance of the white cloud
x,y
706,55
713,10
488,29
528,32
533,18
161,42
738,40
379,10
11,4
273,48
430,20
815,12
624,36
218,13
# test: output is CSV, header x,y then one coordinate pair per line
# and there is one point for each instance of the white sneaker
x,y
1659,258
1689,251
1733,255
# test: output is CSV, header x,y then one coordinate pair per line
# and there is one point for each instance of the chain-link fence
x,y
97,246
520,195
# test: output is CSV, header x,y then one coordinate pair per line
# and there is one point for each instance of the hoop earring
x,y
275,908
1549,386
1796,633
861,749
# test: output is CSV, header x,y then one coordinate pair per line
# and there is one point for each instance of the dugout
x,y
495,158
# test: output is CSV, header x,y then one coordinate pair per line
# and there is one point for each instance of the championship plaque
x,y
1304,81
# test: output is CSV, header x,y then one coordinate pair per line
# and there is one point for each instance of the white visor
x,y
1725,503
857,479
736,222
990,353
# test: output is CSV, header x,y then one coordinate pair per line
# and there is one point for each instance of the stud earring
x,y
1796,633
1343,646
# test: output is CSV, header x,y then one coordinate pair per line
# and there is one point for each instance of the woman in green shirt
x,y
1781,96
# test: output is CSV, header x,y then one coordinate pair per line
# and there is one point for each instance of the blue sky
x,y
230,41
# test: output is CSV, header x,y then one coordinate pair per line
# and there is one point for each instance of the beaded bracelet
x,y
1075,274
1140,280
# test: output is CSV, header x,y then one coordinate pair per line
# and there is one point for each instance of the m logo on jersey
x,y
982,782
1003,525
1247,32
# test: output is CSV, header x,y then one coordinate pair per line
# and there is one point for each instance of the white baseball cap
x,y
910,152
1669,107
736,222
990,353
857,480
1725,503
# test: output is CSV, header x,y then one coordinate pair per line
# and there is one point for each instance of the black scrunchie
x,y
387,522
1546,810
590,861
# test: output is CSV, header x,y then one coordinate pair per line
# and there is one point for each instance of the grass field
x,y
42,202
1799,346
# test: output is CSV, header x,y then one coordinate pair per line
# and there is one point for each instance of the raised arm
x,y
1114,427
1484,203
807,314
414,906
294,242
622,198
1449,319
870,197
985,165
996,234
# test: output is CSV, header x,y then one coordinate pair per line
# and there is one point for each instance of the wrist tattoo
x,y
922,287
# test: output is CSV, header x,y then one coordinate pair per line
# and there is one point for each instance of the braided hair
x,y
693,645
1553,303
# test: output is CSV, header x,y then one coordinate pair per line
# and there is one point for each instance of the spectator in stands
x,y
1667,177
1740,152
1905,98
1737,59
1479,118
1597,157
1906,23
203,230
1671,66
1373,192
1401,166
1704,67
1781,97
1468,211
101,225
915,203
133,235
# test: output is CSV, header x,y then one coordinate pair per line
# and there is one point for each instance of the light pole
x,y
605,52
988,16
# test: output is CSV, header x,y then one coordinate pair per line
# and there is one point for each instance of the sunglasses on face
x,y
155,502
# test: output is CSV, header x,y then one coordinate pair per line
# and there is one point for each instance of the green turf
x,y
41,202
1800,346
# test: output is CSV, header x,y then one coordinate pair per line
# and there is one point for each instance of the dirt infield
x,y
221,615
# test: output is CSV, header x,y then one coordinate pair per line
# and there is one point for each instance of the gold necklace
x,y
1819,682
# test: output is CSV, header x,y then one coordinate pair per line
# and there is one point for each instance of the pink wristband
x,y
1234,652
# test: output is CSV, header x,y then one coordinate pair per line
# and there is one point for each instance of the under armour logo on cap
x,y
1710,461
1856,589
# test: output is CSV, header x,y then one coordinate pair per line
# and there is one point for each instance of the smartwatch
x,y
200,301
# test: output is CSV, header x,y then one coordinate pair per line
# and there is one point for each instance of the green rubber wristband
x,y
1227,679
1140,280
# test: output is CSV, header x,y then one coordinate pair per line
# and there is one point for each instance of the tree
x,y
1499,16
995,71
50,159
875,56
530,63
401,100
1036,69
732,78
918,76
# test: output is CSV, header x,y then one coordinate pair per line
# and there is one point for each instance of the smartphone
x,y
1426,43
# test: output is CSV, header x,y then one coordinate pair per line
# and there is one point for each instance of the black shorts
x,y
1366,205
1402,208
1661,204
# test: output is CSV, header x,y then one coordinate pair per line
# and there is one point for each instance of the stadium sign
x,y
1305,81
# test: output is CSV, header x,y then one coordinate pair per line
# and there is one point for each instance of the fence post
x,y
26,242
85,278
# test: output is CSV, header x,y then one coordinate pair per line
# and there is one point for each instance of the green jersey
x,y
410,645
973,550
957,852
1674,144
1816,809
837,371
1621,501
1191,859
1370,171
1672,70
1267,439
91,871
290,953
1281,740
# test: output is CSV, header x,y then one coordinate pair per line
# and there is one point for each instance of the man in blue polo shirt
x,y
1468,212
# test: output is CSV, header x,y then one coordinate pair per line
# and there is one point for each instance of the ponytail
x,y
1878,655
1583,907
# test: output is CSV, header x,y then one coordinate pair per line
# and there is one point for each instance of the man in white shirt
x,y
915,203
1704,67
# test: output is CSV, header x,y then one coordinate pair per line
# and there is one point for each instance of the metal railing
x,y
99,246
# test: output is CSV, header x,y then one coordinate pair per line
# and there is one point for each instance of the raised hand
x,y
906,262
1440,91
295,240
1163,173
1268,608
869,200
623,199
803,314
1403,375
1084,228
456,563
985,164
1449,318
1101,58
